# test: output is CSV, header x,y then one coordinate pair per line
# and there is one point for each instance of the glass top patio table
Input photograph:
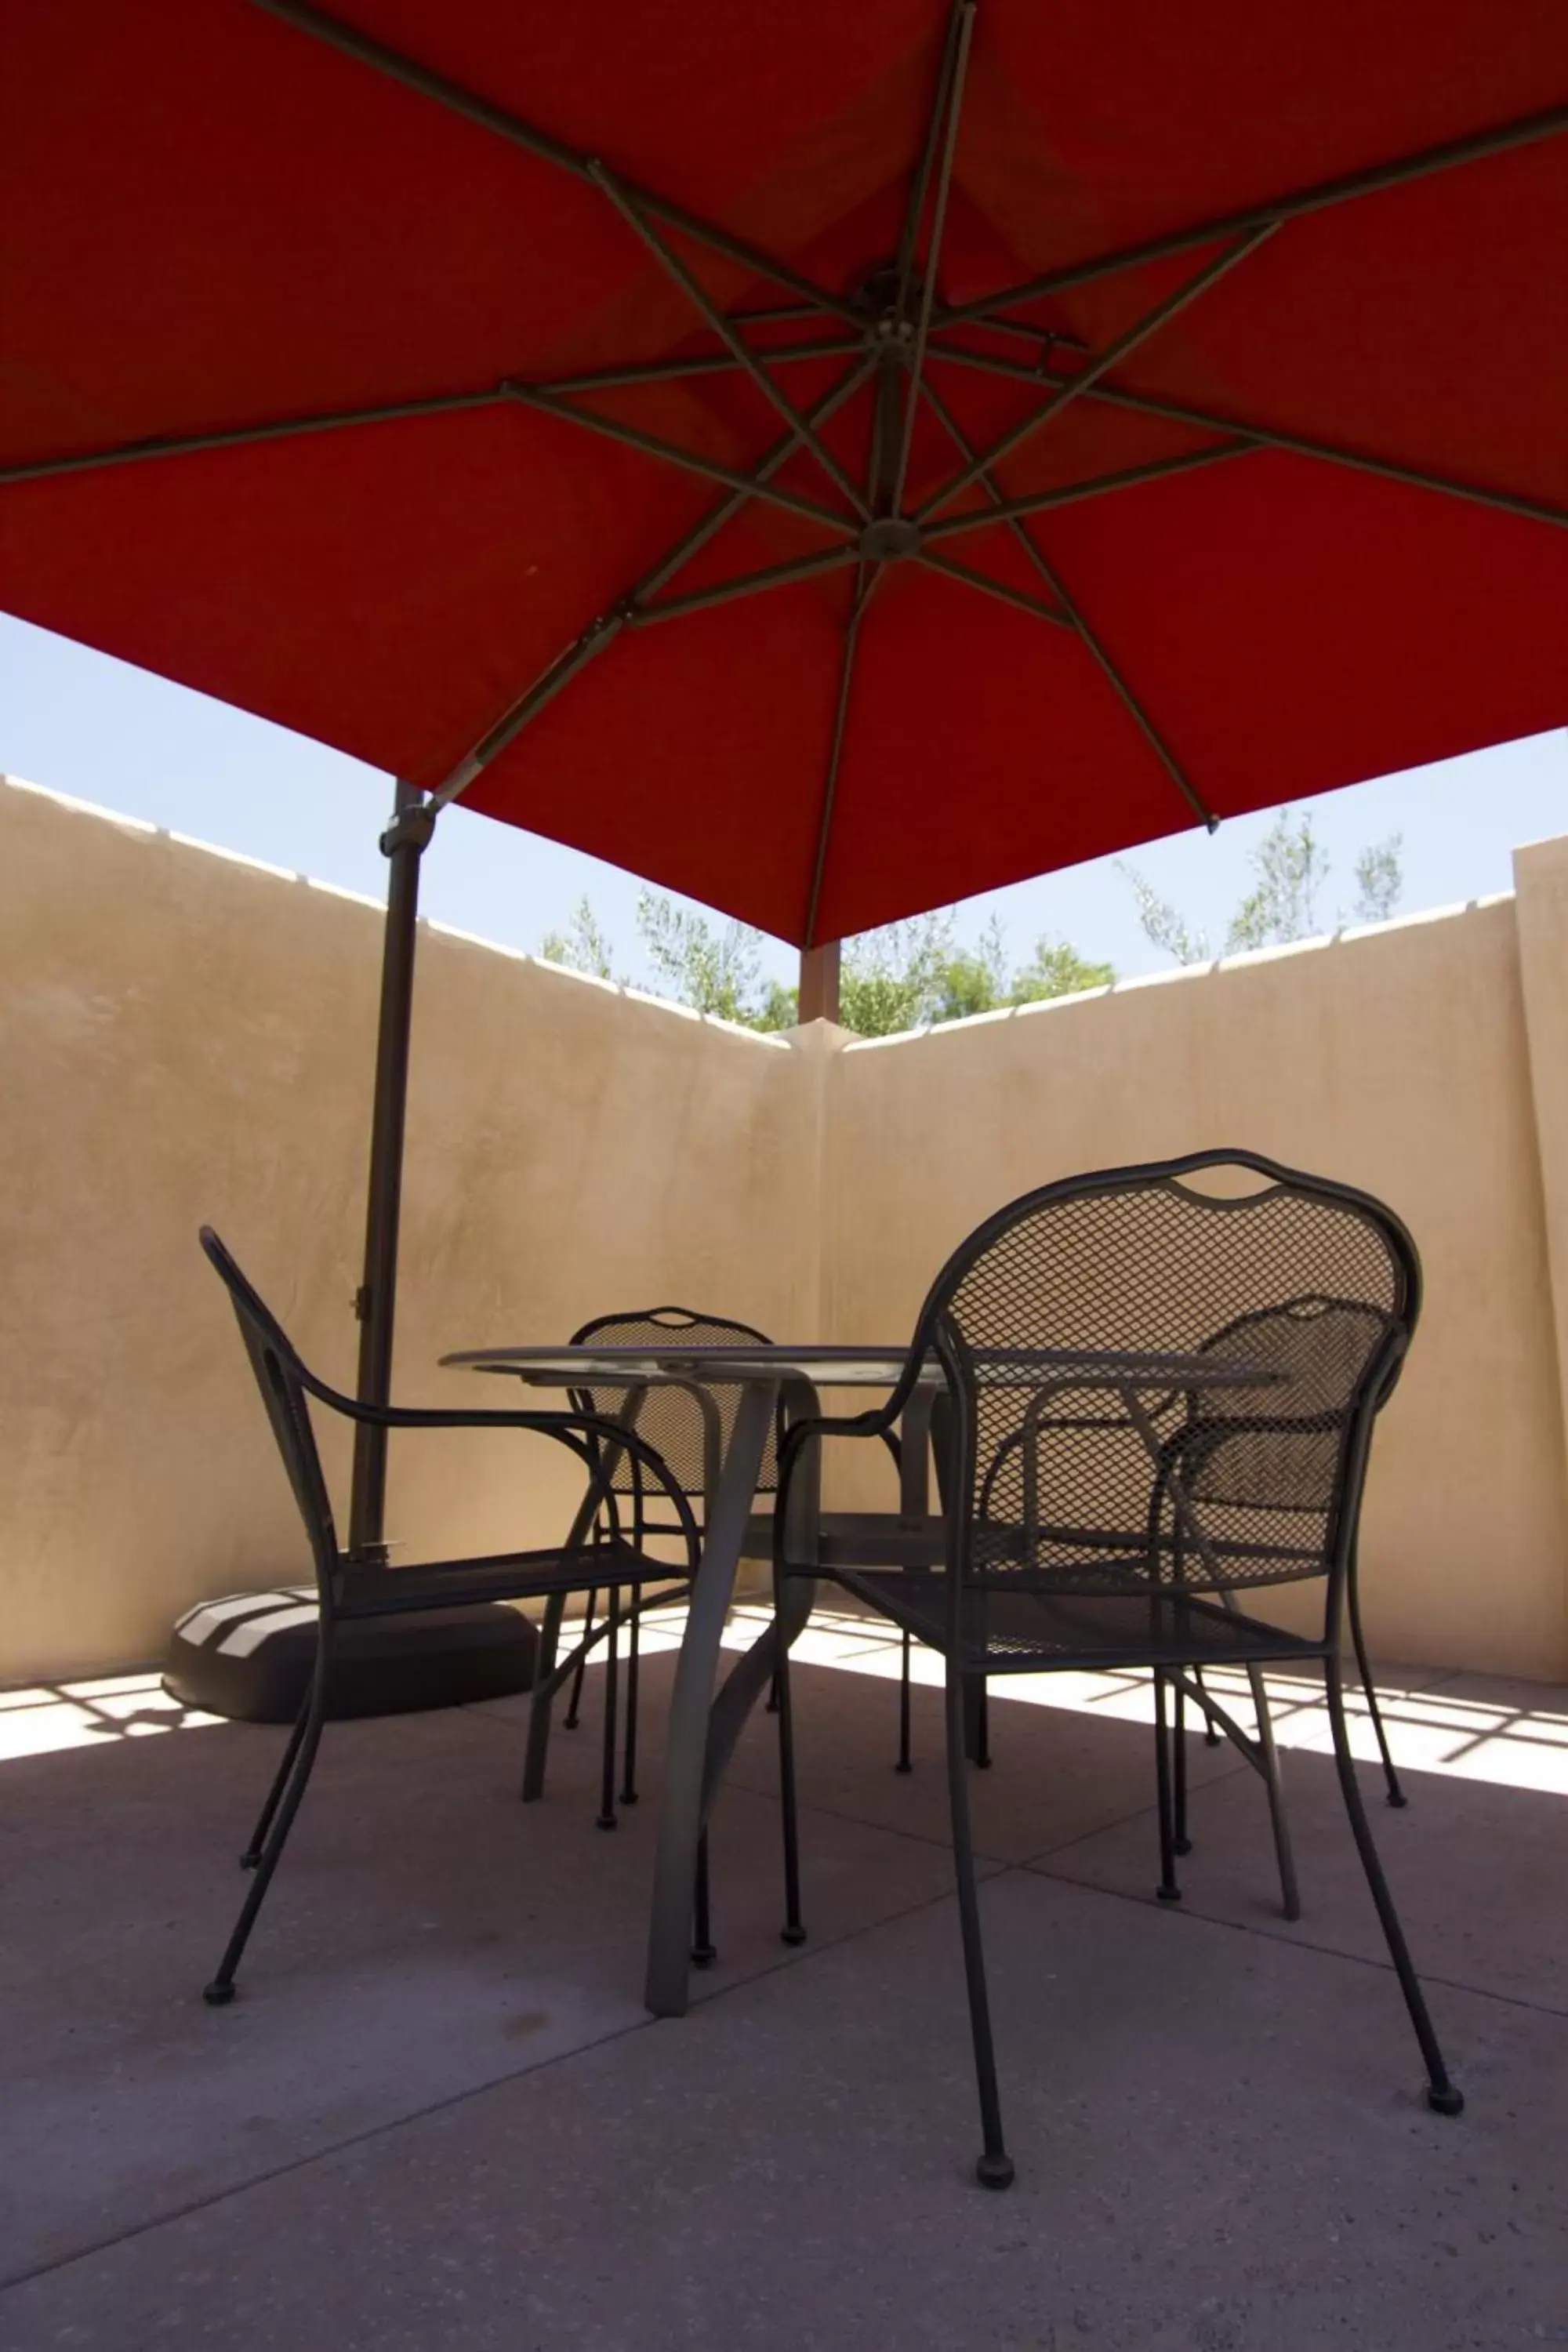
x,y
848,1366
703,1730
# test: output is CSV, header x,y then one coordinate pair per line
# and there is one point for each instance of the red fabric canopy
x,y
1342,551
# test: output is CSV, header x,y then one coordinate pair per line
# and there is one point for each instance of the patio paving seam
x,y
1297,1943
798,1958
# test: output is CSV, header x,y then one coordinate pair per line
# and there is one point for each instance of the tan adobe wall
x,y
184,1036
187,1037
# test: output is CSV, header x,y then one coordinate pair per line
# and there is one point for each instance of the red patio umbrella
x,y
829,460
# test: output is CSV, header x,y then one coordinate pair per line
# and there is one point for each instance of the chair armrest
x,y
572,1430
878,1423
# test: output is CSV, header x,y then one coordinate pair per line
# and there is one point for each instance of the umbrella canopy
x,y
828,460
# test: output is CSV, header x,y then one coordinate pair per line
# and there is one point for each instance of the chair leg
x,y
252,1854
606,1819
1211,1737
574,1704
607,1814
629,1776
903,1764
1167,1890
1441,2094
1397,1795
772,1705
543,1699
994,2168
282,1805
793,1929
977,1723
704,1954
1180,1842
1290,1894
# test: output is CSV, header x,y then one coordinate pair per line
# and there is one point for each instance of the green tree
x,y
1056,969
906,975
891,979
582,946
1380,877
713,970
1290,872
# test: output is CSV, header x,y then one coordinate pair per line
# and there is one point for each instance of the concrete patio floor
x,y
439,2116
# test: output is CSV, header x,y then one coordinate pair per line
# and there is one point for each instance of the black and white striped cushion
x,y
251,1655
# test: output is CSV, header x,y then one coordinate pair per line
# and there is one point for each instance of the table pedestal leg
x,y
680,1814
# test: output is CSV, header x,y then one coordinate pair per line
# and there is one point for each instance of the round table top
x,y
848,1366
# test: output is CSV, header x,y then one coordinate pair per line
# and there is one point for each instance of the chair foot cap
x,y
704,1955
1183,1845
629,1796
604,1821
1169,1893
903,1767
250,1858
995,2172
792,1934
218,1995
1398,1799
1446,2102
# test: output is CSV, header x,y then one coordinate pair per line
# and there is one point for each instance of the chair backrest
x,y
672,1420
1218,1254
281,1376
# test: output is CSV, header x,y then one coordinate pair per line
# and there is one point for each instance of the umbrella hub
x,y
891,309
889,537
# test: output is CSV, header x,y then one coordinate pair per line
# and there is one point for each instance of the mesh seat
x,y
1106,1518
1018,1629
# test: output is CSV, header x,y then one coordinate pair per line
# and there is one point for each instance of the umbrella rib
x,y
634,213
745,583
504,124
1526,131
633,437
835,754
1138,333
1097,485
671,371
1075,616
1059,618
915,208
601,631
1271,437
965,25
237,437
392,412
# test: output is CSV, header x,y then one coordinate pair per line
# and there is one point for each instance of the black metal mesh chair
x,y
688,1429
1092,1526
351,1589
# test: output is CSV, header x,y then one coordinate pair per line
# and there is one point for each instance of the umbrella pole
x,y
819,983
402,843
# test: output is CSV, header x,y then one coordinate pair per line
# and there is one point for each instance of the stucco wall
x,y
184,1037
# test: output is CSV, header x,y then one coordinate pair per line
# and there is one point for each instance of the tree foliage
x,y
1290,872
582,946
905,976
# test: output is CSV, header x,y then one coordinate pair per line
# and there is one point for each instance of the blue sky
x,y
77,722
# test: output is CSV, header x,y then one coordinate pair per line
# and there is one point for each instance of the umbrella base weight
x,y
250,1657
